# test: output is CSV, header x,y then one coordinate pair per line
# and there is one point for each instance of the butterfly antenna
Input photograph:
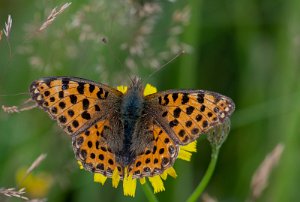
x,y
164,65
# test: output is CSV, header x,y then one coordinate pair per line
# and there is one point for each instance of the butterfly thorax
x,y
131,110
132,103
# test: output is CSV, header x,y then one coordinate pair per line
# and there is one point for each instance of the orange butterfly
x,y
114,130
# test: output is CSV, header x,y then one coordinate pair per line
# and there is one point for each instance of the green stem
x,y
149,193
210,170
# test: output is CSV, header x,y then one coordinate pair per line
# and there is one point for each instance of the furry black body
x,y
131,110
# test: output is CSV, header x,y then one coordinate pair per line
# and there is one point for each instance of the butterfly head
x,y
133,99
136,85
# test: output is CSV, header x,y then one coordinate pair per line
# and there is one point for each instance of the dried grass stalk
x,y
207,198
16,109
38,200
261,176
54,13
13,192
36,163
8,26
11,109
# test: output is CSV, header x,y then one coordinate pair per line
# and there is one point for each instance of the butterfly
x,y
128,131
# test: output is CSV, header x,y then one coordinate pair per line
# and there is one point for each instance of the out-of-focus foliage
x,y
247,50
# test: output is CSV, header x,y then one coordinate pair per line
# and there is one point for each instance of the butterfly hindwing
x,y
75,103
189,113
157,157
92,150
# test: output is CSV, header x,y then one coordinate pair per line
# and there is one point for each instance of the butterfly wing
x,y
87,111
185,114
159,155
75,103
173,118
91,149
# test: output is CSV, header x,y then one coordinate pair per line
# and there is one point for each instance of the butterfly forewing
x,y
75,103
189,113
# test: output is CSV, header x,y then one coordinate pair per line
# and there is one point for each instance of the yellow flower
x,y
36,185
129,183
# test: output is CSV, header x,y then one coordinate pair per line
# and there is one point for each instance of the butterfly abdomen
x,y
131,110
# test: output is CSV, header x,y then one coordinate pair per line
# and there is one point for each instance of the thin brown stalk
x,y
38,200
13,192
207,198
11,109
7,31
261,176
54,13
34,165
8,26
16,109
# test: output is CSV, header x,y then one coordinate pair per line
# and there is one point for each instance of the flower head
x,y
218,134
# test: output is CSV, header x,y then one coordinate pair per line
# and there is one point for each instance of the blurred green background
x,y
245,49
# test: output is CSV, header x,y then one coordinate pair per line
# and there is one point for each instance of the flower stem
x,y
202,185
149,193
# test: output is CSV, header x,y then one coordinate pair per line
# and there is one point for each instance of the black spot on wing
x,y
71,112
85,104
200,97
80,88
65,84
85,115
177,112
190,110
73,99
185,98
62,105
174,96
61,94
91,88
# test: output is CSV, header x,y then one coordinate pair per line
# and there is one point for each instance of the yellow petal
x,y
171,171
184,155
149,89
157,183
192,147
142,180
123,89
98,177
129,185
115,178
80,165
164,175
